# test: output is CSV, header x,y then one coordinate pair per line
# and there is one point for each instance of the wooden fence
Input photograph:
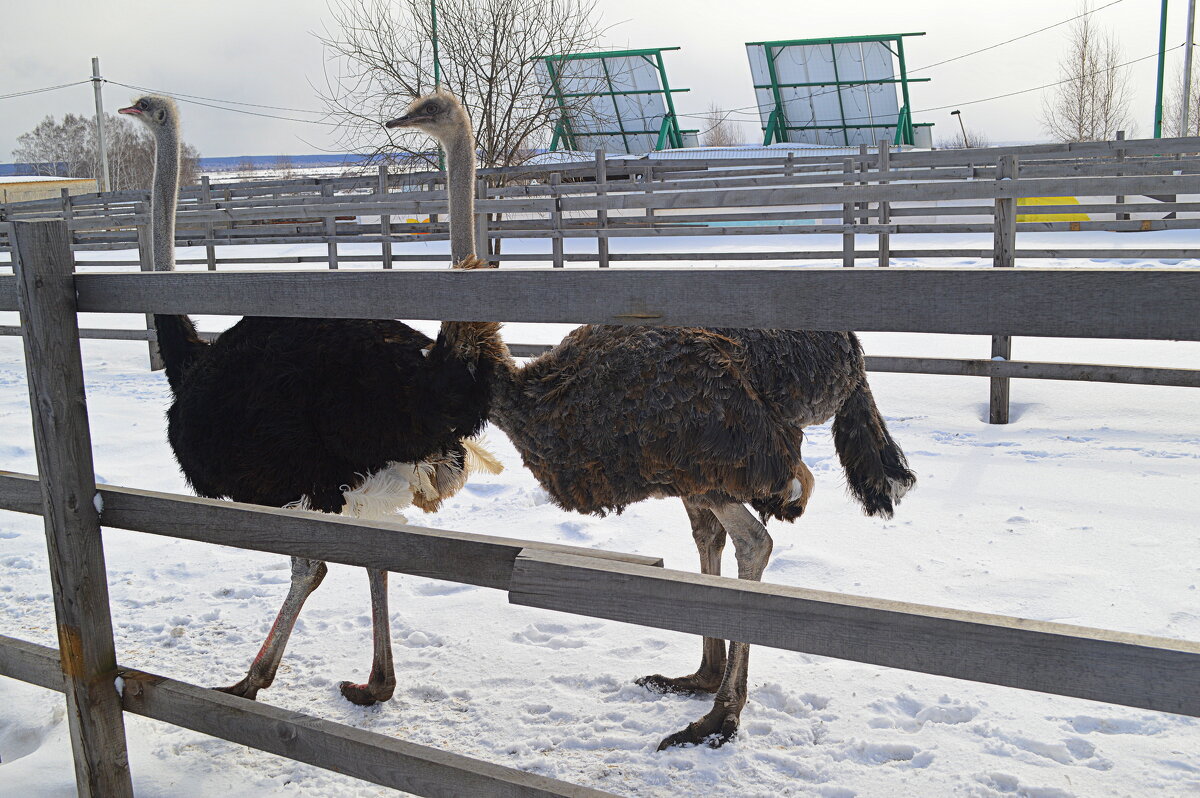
x,y
1126,186
1133,670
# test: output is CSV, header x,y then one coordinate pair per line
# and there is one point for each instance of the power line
x,y
187,99
1046,85
39,91
214,99
1018,38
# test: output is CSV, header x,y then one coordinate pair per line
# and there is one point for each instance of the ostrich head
x,y
439,114
156,112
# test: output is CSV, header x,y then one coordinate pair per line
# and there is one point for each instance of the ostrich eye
x,y
431,108
141,104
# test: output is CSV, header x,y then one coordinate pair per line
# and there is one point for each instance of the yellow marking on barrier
x,y
1050,217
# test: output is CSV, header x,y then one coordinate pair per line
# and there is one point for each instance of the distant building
x,y
23,188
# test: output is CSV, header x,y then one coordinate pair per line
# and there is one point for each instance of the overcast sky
x,y
264,51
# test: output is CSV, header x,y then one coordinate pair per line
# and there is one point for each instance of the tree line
x,y
70,148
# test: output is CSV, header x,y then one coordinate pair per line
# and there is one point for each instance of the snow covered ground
x,y
1080,511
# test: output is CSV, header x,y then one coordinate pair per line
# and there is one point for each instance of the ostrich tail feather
x,y
479,458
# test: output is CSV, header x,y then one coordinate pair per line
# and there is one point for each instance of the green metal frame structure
x,y
669,133
777,127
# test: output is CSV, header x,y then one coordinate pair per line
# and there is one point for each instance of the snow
x,y
1080,511
37,179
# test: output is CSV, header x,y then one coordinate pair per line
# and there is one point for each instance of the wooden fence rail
x,y
1147,672
401,765
1149,304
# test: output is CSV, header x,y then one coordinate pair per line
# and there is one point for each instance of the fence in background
x,y
1126,186
1152,673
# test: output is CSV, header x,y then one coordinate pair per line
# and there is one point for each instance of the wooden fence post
x,y
385,219
885,208
46,293
556,221
1004,256
848,217
68,213
210,229
601,213
330,227
482,250
1121,217
648,185
863,167
146,264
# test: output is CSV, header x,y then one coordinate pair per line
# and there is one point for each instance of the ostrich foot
x,y
243,689
682,685
714,729
366,694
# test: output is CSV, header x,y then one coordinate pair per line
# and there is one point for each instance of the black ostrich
x,y
338,415
617,414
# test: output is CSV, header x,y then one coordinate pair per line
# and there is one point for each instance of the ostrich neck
x,y
460,189
163,194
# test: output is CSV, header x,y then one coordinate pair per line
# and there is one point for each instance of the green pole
x,y
437,74
437,65
1162,54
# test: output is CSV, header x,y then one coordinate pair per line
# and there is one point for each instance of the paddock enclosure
x,y
876,198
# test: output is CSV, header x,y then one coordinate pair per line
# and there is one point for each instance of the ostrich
x,y
358,417
617,414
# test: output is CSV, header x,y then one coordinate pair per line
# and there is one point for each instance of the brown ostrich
x,y
359,417
617,414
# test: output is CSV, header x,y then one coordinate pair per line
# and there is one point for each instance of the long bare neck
x,y
460,190
164,192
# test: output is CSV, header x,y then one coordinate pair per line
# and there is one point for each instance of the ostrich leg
x,y
710,542
306,577
382,681
752,545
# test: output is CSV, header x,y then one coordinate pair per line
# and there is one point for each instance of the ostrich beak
x,y
405,121
130,110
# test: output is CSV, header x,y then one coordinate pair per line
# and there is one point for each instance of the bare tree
x,y
381,57
721,131
70,149
1092,103
1173,106
972,140
285,166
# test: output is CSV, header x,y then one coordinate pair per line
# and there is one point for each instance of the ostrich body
x,y
349,416
617,414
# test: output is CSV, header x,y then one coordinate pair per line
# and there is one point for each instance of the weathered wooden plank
x,y
1083,303
472,559
848,240
556,224
1005,247
1084,372
31,663
64,455
8,292
1132,670
894,192
885,215
400,765
210,251
601,214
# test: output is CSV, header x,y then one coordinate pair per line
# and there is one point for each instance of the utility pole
x,y
1162,56
104,180
966,144
1187,67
